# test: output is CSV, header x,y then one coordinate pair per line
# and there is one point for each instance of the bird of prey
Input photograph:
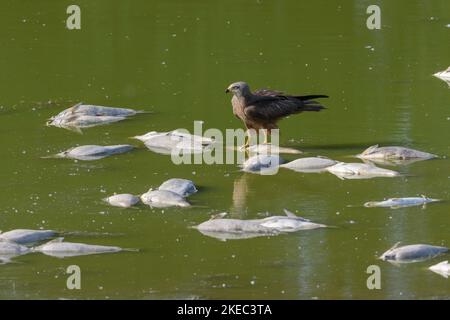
x,y
261,109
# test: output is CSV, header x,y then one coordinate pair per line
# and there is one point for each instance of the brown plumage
x,y
263,108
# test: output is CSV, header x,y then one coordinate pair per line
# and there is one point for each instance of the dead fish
x,y
78,122
59,248
359,171
227,229
289,223
86,116
183,187
175,141
93,152
12,248
444,75
163,199
309,164
26,236
442,268
124,200
222,227
261,163
394,152
412,253
395,203
93,110
391,162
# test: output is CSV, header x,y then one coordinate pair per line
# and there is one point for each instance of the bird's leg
x,y
246,141
266,136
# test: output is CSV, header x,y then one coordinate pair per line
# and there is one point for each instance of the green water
x,y
176,58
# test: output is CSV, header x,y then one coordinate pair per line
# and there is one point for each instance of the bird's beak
x,y
227,90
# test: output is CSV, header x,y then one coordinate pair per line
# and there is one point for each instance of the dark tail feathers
x,y
311,105
310,97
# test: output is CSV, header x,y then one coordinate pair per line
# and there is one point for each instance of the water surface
x,y
176,58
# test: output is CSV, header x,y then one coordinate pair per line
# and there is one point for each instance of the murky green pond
x,y
175,58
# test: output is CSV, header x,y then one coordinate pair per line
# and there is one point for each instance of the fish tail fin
x,y
131,249
144,111
54,156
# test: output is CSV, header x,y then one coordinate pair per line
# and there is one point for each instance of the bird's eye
x,y
235,87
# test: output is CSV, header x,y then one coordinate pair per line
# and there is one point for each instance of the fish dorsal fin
x,y
394,246
56,240
290,214
370,163
74,129
75,107
218,215
370,149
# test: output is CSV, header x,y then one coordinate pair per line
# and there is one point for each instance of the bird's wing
x,y
280,94
267,92
272,107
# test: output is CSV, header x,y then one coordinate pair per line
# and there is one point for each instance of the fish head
x,y
390,255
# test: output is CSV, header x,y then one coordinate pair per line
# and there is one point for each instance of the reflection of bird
x,y
240,194
263,108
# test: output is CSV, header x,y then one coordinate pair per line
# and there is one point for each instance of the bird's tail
x,y
309,104
310,97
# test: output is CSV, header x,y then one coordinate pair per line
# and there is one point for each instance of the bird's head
x,y
238,88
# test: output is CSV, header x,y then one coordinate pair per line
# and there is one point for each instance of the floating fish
x,y
78,122
263,164
10,250
175,142
394,153
243,229
183,187
310,164
93,152
412,253
444,75
124,200
395,203
391,162
85,116
60,249
360,171
442,268
163,199
9,247
92,110
26,236
289,223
